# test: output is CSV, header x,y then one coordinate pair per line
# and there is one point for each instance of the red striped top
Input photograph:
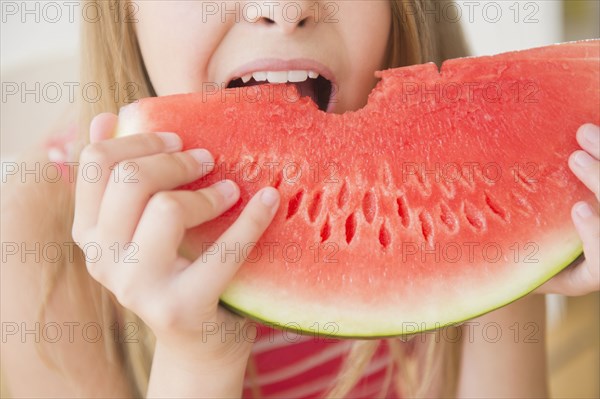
x,y
289,365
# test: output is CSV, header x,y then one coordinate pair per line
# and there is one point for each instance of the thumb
x,y
103,127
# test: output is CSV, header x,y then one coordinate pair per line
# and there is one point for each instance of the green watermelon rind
x,y
570,259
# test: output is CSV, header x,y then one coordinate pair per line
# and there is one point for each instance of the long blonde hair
x,y
111,56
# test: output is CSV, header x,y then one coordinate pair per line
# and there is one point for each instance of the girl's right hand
x,y
178,299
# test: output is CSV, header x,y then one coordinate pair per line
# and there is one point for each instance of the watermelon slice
x,y
447,196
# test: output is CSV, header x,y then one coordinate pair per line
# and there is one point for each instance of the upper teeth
x,y
280,76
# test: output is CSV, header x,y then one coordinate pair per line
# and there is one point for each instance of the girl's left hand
x,y
583,277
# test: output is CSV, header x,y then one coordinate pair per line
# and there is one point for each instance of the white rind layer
x,y
370,320
130,121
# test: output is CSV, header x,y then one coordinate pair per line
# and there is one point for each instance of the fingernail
x,y
171,140
269,196
583,210
203,157
583,159
592,134
226,188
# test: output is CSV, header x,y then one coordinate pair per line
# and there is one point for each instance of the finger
x,y
588,136
587,169
583,277
102,127
134,182
170,213
587,223
96,160
573,281
217,266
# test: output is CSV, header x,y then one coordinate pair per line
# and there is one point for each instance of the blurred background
x,y
39,45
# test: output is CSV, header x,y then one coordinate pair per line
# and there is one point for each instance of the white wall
x,y
38,48
497,26
37,30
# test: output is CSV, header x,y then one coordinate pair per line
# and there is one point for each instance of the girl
x,y
110,328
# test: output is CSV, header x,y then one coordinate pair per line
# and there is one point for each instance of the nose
x,y
287,16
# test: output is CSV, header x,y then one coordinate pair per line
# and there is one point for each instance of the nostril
x,y
266,21
269,21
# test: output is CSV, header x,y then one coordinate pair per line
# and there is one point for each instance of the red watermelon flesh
x,y
448,195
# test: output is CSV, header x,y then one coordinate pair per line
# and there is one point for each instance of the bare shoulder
x,y
61,354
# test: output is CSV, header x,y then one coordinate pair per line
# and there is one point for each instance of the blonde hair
x,y
111,55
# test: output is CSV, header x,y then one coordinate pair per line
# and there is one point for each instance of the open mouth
x,y
308,83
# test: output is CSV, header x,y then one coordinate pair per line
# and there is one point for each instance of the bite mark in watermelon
x,y
415,212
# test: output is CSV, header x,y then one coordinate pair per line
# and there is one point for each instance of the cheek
x,y
367,30
365,27
176,48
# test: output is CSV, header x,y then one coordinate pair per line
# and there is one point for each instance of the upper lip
x,y
274,65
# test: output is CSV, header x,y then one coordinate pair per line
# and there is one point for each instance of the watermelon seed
x,y
343,196
474,216
277,179
423,184
448,189
495,207
426,227
448,217
384,236
325,230
419,182
523,205
350,227
403,211
369,206
315,206
527,182
387,176
294,204
468,181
